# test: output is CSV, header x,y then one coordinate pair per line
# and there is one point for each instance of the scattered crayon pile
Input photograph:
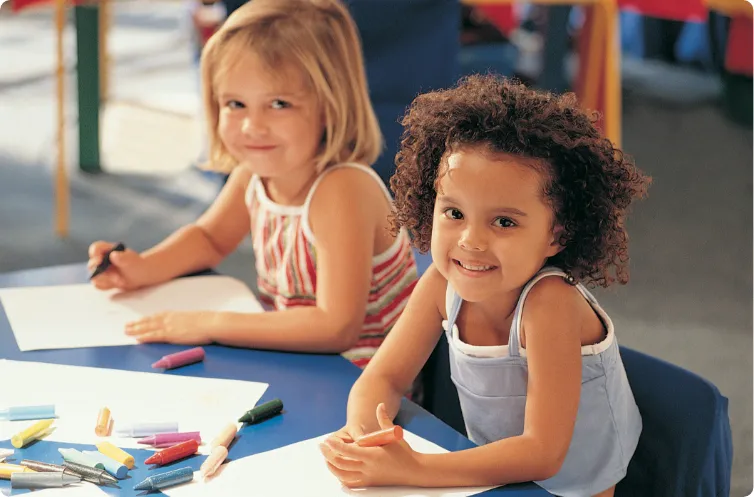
x,y
109,463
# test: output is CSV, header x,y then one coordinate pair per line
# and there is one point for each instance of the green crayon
x,y
262,412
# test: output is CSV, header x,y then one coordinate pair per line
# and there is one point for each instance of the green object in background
x,y
87,72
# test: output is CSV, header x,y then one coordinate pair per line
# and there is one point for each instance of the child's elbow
x,y
345,337
551,464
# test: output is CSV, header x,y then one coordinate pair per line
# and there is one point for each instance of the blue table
x,y
313,387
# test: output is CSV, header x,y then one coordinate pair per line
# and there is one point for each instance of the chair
x,y
685,448
410,47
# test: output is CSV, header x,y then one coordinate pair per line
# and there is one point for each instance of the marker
x,y
112,466
170,439
381,437
167,479
102,267
116,453
179,359
5,453
44,467
102,428
78,457
42,480
262,412
94,475
20,413
33,432
146,429
183,449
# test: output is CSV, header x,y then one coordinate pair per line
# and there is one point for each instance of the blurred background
x,y
101,134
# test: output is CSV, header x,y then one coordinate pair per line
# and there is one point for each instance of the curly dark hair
x,y
590,184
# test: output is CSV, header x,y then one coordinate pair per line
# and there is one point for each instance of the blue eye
x,y
504,222
234,104
453,213
280,104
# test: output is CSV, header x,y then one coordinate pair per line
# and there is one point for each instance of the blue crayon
x,y
112,466
167,479
19,413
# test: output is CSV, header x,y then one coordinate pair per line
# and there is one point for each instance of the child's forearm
x,y
367,393
511,460
187,250
302,329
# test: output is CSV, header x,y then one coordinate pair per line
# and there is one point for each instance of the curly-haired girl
x,y
520,200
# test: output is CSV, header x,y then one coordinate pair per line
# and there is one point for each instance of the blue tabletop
x,y
313,387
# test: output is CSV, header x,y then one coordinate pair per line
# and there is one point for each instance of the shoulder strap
x,y
514,339
453,303
305,215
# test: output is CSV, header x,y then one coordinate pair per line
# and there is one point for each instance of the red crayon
x,y
182,358
183,449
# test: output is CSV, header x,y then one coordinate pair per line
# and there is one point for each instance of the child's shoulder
x,y
352,181
553,303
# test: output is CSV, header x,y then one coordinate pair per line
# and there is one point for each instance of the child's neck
x,y
291,190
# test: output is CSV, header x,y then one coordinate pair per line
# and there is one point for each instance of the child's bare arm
x,y
196,246
205,243
343,217
553,354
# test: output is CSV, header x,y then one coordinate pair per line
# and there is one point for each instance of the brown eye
x,y
504,222
453,213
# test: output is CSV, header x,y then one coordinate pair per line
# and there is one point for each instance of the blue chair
x,y
685,447
410,47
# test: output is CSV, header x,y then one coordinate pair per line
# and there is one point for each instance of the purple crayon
x,y
179,359
170,439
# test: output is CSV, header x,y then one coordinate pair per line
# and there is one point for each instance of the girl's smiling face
x,y
492,228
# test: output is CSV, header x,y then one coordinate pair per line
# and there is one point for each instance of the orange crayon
x,y
381,437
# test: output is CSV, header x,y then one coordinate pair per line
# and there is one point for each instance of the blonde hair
x,y
317,37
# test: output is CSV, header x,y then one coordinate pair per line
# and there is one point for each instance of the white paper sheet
x,y
197,404
83,489
299,469
73,316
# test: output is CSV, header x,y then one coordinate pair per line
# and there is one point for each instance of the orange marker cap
x,y
381,437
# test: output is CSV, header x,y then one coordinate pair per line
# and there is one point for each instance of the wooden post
x,y
105,22
61,177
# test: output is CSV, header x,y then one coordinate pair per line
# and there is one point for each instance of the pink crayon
x,y
182,358
169,439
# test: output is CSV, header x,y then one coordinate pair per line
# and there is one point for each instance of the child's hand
x,y
357,467
127,269
348,433
186,328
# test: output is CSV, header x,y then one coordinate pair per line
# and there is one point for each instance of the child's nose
x,y
472,240
254,124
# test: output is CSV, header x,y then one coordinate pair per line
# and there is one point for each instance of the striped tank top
x,y
286,262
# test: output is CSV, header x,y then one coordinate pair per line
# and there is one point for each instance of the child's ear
x,y
555,246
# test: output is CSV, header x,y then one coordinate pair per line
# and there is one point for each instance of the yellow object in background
x,y
102,428
31,433
8,469
116,453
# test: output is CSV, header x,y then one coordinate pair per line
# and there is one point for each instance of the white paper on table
x,y
197,404
300,469
83,489
73,316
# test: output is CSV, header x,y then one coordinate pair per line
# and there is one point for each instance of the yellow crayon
x,y
8,469
116,453
31,433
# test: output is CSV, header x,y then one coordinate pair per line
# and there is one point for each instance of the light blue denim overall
x,y
491,383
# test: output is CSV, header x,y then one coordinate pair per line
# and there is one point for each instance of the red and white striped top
x,y
286,261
